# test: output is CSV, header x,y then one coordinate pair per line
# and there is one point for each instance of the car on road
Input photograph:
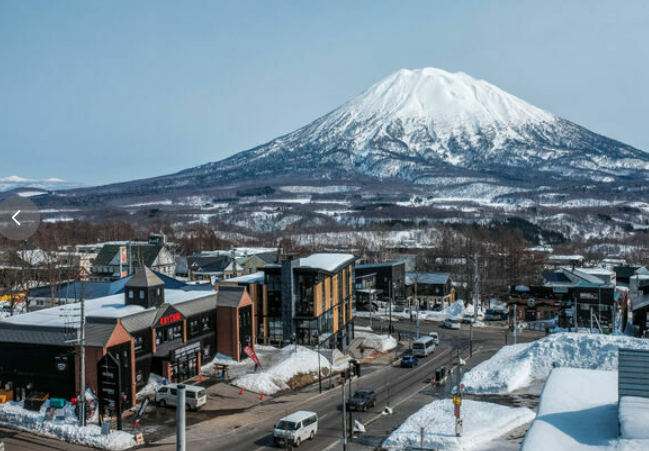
x,y
434,336
195,397
361,400
296,428
408,361
423,346
495,315
451,323
467,318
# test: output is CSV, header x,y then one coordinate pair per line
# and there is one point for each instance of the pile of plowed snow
x,y
295,361
518,366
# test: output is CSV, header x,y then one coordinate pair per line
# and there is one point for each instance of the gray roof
x,y
98,334
197,306
229,296
14,333
144,278
139,321
427,278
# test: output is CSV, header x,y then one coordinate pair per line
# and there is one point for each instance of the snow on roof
x,y
566,257
248,278
105,307
577,416
427,278
326,262
379,265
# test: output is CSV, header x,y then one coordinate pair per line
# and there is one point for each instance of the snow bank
x,y
455,310
296,361
578,411
381,343
151,386
634,417
13,415
483,422
517,366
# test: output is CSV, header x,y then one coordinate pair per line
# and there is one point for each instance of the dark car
x,y
408,361
361,400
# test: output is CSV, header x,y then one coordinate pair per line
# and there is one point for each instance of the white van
x,y
195,397
434,336
296,428
423,346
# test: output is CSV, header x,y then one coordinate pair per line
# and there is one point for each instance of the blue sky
x,y
104,91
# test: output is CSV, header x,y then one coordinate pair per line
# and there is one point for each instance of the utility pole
x,y
344,437
515,327
351,423
417,302
470,339
82,360
180,418
319,371
476,286
391,302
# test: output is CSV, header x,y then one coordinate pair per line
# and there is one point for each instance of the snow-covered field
x,y
578,411
295,361
13,415
518,366
483,422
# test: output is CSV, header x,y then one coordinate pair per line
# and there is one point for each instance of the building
x,y
390,279
433,289
568,293
254,284
309,301
69,291
366,293
146,329
209,269
117,260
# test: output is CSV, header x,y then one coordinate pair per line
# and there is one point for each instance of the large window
x,y
169,333
305,284
307,332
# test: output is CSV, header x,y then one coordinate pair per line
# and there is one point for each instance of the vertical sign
x,y
122,260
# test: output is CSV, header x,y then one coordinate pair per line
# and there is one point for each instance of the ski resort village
x,y
128,344
328,226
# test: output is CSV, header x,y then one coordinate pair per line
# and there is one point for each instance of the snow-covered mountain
x,y
51,184
419,124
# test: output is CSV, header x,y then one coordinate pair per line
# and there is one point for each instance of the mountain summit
x,y
417,125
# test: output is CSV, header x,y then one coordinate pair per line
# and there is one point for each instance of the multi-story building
x,y
309,301
117,260
390,279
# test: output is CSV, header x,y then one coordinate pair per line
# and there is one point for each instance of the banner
x,y
122,255
251,353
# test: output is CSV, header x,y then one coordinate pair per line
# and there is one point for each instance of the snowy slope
x,y
518,366
483,422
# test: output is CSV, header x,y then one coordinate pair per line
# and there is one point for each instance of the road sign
x,y
457,400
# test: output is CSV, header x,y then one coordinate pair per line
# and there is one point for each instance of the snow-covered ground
x,y
13,415
578,411
483,422
295,361
518,366
381,343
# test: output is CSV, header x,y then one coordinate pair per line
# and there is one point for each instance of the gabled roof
x,y
208,264
326,262
257,277
230,296
143,254
556,277
427,278
144,278
380,265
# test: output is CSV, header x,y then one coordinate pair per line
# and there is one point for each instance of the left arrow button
x,y
14,217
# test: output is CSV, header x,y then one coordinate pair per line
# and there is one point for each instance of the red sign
x,y
122,254
169,319
251,353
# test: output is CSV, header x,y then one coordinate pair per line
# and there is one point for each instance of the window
x,y
141,294
130,294
158,291
206,323
138,342
193,327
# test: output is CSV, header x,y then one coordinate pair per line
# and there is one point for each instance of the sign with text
x,y
172,318
187,351
122,255
247,350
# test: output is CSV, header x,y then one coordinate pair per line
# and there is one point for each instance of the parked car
x,y
451,324
434,336
195,397
467,318
361,400
408,361
296,428
495,315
